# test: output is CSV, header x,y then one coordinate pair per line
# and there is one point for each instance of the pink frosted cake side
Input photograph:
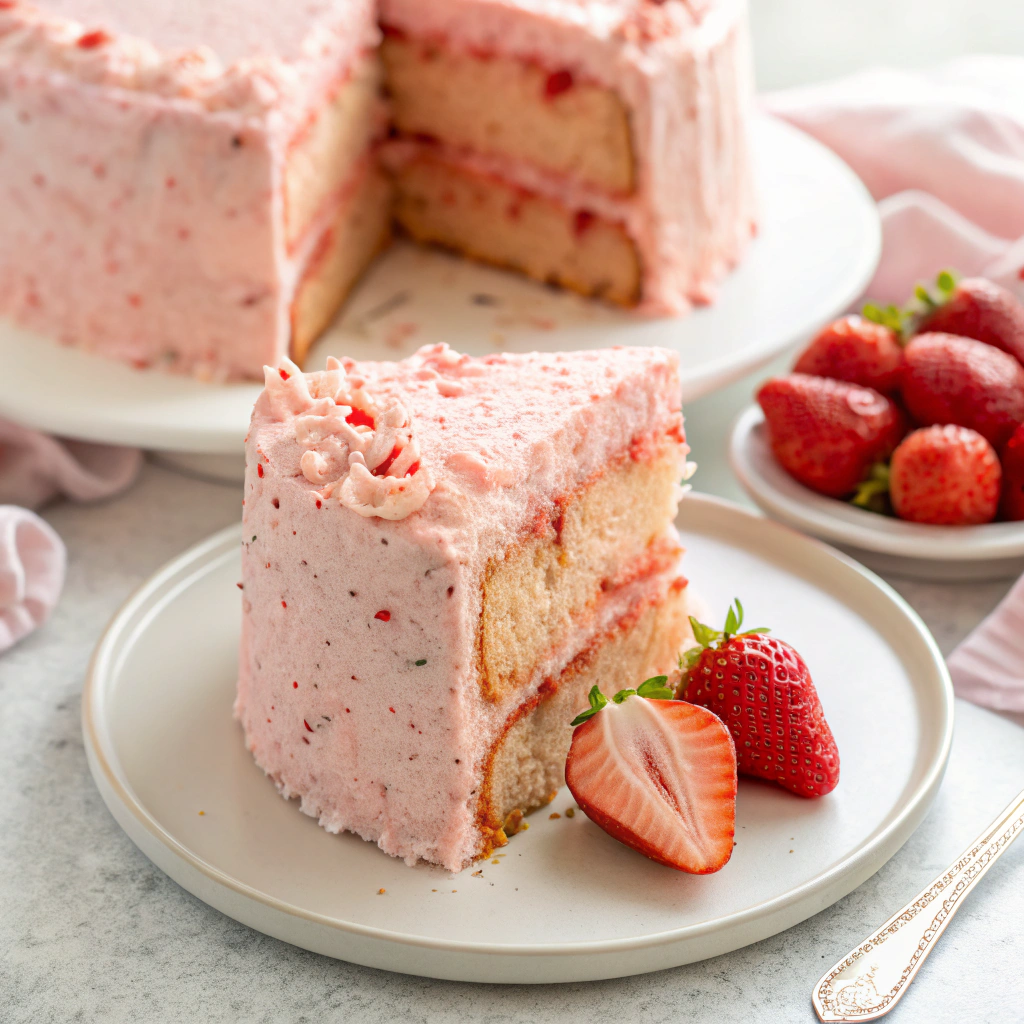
x,y
175,178
199,186
440,557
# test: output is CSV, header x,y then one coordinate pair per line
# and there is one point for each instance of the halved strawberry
x,y
658,775
761,688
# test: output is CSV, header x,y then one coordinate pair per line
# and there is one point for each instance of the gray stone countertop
x,y
90,930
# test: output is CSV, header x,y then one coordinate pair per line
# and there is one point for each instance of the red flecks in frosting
x,y
557,83
304,740
584,218
90,40
392,710
319,503
284,604
384,616
295,685
239,585
284,373
259,469
309,728
358,418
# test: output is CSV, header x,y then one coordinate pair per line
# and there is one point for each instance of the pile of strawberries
x,y
917,412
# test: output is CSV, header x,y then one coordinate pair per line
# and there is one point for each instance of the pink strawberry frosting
x,y
357,688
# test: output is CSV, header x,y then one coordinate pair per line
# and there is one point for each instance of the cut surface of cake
x,y
199,186
441,556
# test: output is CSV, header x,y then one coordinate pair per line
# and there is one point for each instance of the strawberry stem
x,y
873,493
887,316
707,637
651,689
906,321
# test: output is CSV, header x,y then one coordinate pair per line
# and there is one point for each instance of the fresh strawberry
x,y
658,775
945,475
828,433
974,308
761,688
855,350
948,379
1011,504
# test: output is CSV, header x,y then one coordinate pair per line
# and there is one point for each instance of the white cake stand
x,y
816,250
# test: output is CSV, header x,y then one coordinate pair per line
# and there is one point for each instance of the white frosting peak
x,y
367,456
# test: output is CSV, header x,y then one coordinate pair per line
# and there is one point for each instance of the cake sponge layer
x,y
358,228
613,527
526,766
439,200
325,152
502,106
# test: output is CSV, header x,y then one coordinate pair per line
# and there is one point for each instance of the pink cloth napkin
x,y
988,667
32,560
943,153
33,469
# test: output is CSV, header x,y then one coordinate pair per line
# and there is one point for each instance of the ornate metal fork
x,y
870,980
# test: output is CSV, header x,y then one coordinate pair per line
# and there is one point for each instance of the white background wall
x,y
798,41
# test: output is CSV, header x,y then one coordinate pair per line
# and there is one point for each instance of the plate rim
x,y
804,509
204,556
224,438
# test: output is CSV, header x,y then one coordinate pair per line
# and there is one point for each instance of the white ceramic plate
x,y
565,902
993,551
816,250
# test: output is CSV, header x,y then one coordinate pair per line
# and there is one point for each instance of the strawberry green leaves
x,y
903,322
886,316
707,637
653,689
597,701
873,493
945,285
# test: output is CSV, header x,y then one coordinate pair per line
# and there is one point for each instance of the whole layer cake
x,y
199,186
441,556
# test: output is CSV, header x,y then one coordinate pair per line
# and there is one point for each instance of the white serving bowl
x,y
989,552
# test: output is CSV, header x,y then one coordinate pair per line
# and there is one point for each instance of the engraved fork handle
x,y
868,982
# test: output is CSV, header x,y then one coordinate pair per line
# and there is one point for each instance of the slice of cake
x,y
441,557
198,186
